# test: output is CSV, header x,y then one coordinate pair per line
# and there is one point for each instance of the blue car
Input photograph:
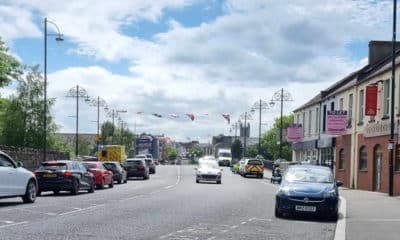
x,y
308,190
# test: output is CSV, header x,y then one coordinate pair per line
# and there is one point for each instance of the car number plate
x,y
306,208
50,175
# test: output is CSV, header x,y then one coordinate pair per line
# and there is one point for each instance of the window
x,y
350,113
363,157
317,117
397,161
342,161
361,107
324,120
386,98
309,122
5,162
332,106
298,119
304,125
341,104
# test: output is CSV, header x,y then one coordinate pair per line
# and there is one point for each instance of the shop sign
x,y
379,129
295,133
336,122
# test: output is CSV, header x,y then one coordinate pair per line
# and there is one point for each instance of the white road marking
x,y
212,238
234,226
374,220
263,219
251,219
340,232
51,214
80,210
8,222
13,224
243,223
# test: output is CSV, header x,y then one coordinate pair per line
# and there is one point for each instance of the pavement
x,y
168,206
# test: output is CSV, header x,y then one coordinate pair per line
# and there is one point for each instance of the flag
x,y
139,112
227,117
174,115
157,115
191,116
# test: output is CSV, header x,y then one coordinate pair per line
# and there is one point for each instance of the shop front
x,y
306,151
326,146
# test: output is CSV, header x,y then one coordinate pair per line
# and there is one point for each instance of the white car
x,y
16,181
208,171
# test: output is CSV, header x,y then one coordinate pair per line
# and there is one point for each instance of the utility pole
x,y
77,122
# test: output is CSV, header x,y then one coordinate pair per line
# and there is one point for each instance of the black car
x,y
137,168
152,166
308,190
65,175
119,173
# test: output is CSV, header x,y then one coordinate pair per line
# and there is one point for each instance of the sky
x,y
200,57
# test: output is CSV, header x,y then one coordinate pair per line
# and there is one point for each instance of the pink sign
x,y
337,122
295,133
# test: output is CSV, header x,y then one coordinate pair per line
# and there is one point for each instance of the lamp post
x,y
77,92
114,113
59,38
260,105
392,99
235,126
99,102
281,96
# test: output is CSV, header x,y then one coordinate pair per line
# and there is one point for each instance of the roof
x,y
311,102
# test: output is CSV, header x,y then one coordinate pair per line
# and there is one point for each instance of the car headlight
x,y
330,194
283,191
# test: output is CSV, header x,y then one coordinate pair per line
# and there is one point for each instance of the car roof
x,y
305,166
135,159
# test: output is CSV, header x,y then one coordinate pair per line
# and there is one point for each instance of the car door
x,y
9,182
108,175
85,175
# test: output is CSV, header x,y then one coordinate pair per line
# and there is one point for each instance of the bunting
x,y
191,116
227,117
157,115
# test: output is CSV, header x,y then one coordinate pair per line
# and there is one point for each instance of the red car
x,y
102,176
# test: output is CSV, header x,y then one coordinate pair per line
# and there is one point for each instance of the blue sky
x,y
192,56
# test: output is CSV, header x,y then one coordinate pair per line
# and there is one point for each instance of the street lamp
x,y
77,92
58,38
114,113
282,96
391,140
260,105
99,102
246,116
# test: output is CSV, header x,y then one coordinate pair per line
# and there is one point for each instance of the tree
x,y
270,140
121,136
237,149
9,66
23,116
251,151
198,151
172,153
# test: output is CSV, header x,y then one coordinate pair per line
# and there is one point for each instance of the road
x,y
168,206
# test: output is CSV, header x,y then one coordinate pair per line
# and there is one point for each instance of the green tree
x,y
23,117
198,151
251,151
172,153
110,134
237,149
270,139
9,66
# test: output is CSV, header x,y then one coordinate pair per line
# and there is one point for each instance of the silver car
x,y
208,171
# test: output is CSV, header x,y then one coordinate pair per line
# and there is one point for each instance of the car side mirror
x,y
20,164
339,183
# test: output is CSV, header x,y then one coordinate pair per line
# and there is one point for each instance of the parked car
x,y
241,166
253,167
309,190
119,173
152,166
16,181
102,176
208,170
64,175
137,167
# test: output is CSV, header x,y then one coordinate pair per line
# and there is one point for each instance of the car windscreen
x,y
89,165
53,166
315,175
134,163
209,165
225,154
254,162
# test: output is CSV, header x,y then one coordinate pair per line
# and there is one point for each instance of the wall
x,y
32,158
344,142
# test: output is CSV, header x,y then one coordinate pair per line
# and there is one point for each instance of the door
x,y
7,175
377,167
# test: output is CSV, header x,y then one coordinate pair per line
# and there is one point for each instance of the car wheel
x,y
92,187
111,185
262,176
334,216
119,181
219,182
126,180
75,187
56,192
278,214
197,181
101,186
30,193
39,192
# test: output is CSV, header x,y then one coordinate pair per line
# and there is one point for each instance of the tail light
x,y
37,174
140,167
67,174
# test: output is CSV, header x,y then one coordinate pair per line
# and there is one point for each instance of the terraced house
x,y
360,155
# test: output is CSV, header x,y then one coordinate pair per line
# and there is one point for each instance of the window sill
x,y
360,123
342,170
363,170
349,126
385,118
371,121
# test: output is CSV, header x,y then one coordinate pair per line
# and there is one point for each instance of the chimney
x,y
379,50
